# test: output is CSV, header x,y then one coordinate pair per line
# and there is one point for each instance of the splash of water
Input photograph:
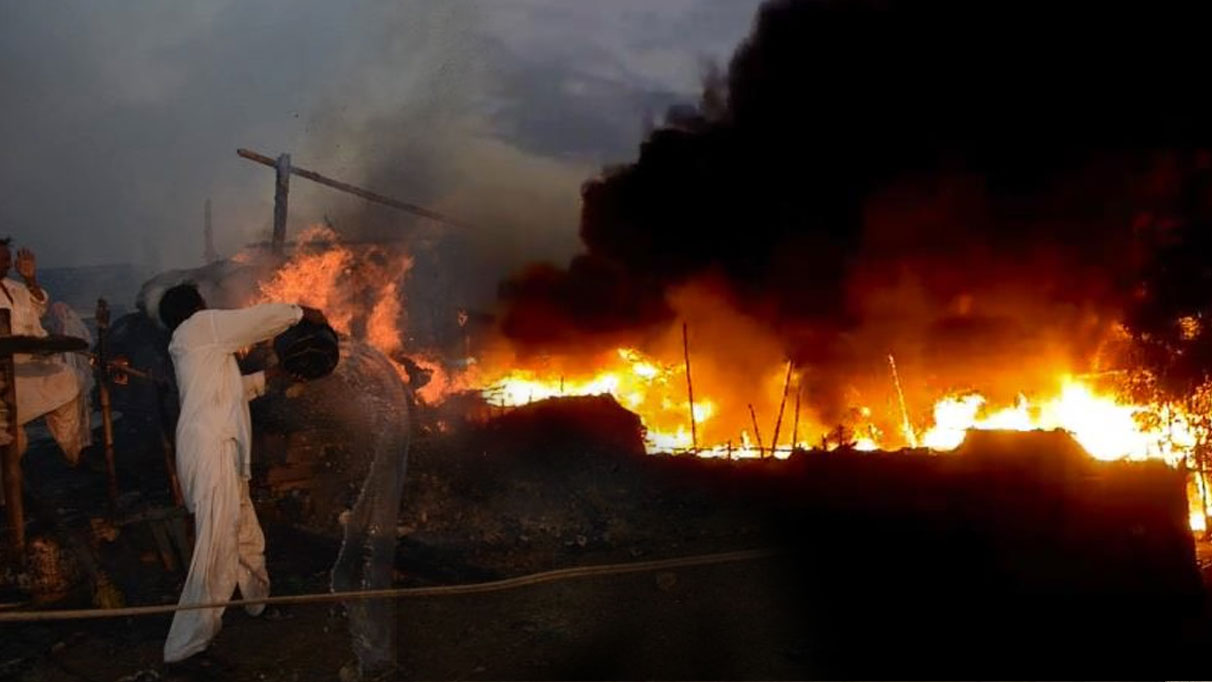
x,y
366,560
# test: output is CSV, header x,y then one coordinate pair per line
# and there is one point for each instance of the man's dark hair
x,y
178,303
6,241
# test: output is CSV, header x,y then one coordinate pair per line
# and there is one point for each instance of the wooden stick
x,y
170,467
795,424
351,189
122,368
107,420
756,433
13,501
694,437
910,436
163,545
208,237
281,192
774,443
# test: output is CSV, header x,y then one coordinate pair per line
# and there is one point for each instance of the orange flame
x,y
742,367
1104,425
358,292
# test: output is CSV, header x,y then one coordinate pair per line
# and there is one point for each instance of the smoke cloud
x,y
120,121
962,184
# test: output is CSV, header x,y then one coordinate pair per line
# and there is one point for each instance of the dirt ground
x,y
712,622
669,625
886,599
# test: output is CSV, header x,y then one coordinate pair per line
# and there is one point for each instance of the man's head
x,y
6,256
178,303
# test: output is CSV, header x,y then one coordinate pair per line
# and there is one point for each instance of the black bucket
x,y
308,350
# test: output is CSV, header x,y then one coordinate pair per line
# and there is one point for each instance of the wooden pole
x,y
170,467
756,433
1202,487
208,237
281,193
13,501
778,422
107,420
795,423
694,436
351,189
910,436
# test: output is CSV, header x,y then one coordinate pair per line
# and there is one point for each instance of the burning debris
x,y
944,198
867,300
741,376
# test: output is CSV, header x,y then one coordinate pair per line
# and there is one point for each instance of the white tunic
x,y
214,434
44,383
214,396
27,308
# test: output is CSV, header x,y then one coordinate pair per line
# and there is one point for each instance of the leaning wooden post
x,y
1201,486
281,191
795,423
350,189
778,422
756,433
208,237
107,421
910,436
694,436
12,450
170,466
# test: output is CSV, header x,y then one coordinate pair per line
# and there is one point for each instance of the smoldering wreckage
x,y
947,379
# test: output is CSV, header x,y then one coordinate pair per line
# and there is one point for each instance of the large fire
x,y
746,404
359,292
1107,427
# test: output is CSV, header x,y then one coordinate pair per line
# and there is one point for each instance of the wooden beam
x,y
281,192
694,436
756,432
13,502
107,421
208,237
352,189
795,424
774,442
34,345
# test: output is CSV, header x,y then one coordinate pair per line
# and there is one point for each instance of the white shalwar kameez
x,y
46,385
214,435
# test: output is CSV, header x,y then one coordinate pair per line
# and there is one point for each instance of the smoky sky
x,y
121,119
1003,148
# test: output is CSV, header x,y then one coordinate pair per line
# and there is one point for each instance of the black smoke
x,y
963,144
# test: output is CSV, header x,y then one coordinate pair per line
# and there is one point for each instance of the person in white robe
x,y
47,386
73,425
213,446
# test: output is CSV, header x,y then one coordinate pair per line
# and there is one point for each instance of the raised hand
x,y
27,265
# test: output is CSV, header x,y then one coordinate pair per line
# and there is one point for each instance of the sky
x,y
120,119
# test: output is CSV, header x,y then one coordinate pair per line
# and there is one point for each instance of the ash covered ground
x,y
1016,557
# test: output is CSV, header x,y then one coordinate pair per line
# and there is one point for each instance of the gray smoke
x,y
122,119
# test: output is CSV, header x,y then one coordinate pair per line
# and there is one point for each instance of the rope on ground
x,y
402,592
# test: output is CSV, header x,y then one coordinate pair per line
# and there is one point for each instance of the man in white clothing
x,y
46,385
213,440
